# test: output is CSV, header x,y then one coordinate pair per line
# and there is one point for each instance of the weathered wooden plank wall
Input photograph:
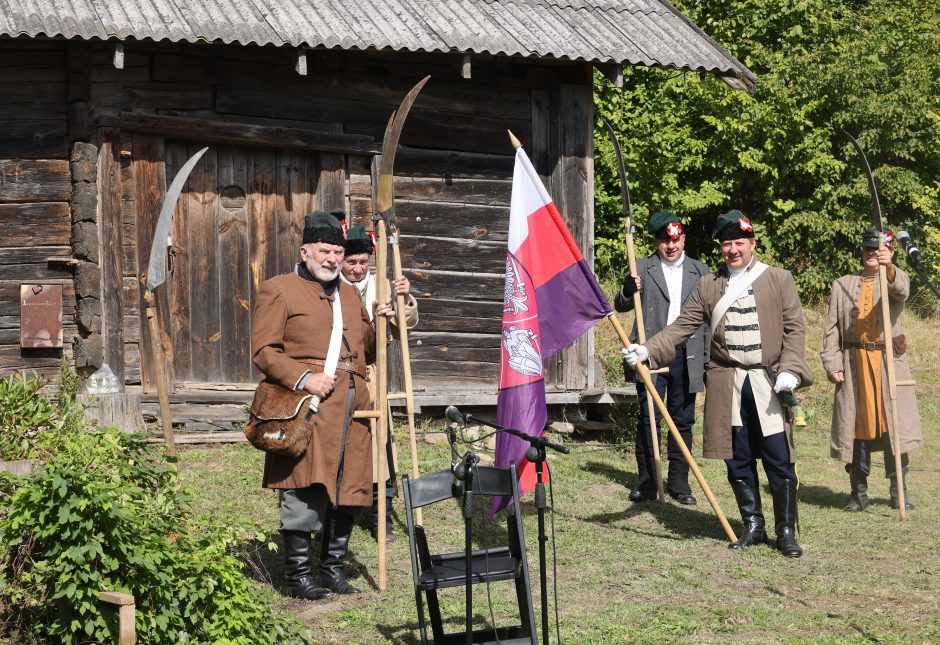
x,y
35,189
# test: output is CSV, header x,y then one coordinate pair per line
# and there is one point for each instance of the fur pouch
x,y
899,343
278,420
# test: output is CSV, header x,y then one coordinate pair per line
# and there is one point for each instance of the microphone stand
x,y
920,274
535,454
463,471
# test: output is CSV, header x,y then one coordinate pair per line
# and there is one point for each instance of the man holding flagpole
x,y
551,298
757,352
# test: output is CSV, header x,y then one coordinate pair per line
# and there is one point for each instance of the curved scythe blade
x,y
625,206
383,199
156,270
876,218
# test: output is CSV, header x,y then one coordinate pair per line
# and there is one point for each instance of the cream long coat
x,y
840,327
783,345
291,323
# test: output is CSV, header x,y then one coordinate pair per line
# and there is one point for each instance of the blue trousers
x,y
748,443
673,388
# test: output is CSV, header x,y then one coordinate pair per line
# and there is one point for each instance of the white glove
x,y
786,382
635,354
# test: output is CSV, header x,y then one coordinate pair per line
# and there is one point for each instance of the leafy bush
x,y
31,421
106,512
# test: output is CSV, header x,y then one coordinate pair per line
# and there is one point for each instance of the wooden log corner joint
x,y
40,316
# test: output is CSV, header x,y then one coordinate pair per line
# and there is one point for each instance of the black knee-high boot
x,y
333,545
300,581
751,514
858,480
785,518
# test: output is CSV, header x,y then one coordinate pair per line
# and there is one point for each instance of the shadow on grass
x,y
823,496
682,521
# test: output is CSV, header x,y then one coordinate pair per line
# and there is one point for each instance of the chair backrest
x,y
438,486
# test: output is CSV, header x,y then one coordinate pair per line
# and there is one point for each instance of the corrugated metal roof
x,y
639,32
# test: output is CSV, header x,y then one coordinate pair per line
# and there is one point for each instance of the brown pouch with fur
x,y
899,343
278,420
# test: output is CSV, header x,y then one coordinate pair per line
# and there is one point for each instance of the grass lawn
x,y
654,572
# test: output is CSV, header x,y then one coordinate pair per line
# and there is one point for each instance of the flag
x,y
551,298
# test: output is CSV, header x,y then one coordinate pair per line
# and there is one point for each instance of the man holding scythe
x,y
757,352
293,331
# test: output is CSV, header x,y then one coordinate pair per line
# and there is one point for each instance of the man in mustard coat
x,y
292,325
854,359
757,353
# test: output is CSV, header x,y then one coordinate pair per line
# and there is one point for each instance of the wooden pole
x,y
644,373
159,373
381,391
892,383
641,336
406,369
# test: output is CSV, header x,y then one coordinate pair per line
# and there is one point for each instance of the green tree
x,y
694,146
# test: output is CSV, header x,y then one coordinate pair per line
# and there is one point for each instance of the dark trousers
x,y
861,455
673,388
748,443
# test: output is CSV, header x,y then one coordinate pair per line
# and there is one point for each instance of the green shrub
x,y
106,512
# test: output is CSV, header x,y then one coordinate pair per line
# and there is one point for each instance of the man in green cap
x,y
293,337
359,247
665,281
757,352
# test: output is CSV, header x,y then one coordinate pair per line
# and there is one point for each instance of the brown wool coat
x,y
291,323
783,344
840,326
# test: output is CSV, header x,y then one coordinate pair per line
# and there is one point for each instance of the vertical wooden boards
x,y
291,203
234,270
148,169
202,224
111,256
262,186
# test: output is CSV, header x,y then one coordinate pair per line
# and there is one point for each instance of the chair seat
x,y
451,571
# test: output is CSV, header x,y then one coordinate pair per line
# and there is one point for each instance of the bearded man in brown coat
x,y
292,331
854,358
757,353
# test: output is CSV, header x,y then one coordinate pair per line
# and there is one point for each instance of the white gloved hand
x,y
635,354
786,382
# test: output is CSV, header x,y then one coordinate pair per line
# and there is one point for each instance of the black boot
x,y
893,490
858,499
785,517
300,582
374,521
751,514
333,545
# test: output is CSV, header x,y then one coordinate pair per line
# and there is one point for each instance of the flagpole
x,y
644,373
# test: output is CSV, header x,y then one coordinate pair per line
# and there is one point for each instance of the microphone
x,y
913,253
455,415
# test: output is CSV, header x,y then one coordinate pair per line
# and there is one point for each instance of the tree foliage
x,y
694,146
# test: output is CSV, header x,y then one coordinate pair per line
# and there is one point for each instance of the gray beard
x,y
325,275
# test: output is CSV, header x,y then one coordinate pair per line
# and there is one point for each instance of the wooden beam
x,y
118,55
612,71
127,634
233,132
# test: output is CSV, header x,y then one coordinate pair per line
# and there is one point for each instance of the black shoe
x,y
686,499
642,495
748,500
858,499
785,515
300,584
893,491
333,546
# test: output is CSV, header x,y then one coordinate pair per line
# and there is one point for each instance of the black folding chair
x,y
507,562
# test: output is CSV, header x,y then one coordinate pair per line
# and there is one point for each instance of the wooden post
x,y
406,369
127,631
381,391
892,384
644,373
641,336
159,374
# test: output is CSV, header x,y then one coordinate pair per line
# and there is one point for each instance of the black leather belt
x,y
877,345
346,366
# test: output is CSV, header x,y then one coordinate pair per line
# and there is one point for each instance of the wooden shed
x,y
102,101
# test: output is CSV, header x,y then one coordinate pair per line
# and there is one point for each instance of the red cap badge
x,y
745,224
673,230
889,239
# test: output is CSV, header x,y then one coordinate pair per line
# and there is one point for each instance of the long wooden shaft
x,y
892,387
159,374
381,391
406,370
645,375
641,336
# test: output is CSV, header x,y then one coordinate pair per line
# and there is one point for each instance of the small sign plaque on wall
x,y
40,315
